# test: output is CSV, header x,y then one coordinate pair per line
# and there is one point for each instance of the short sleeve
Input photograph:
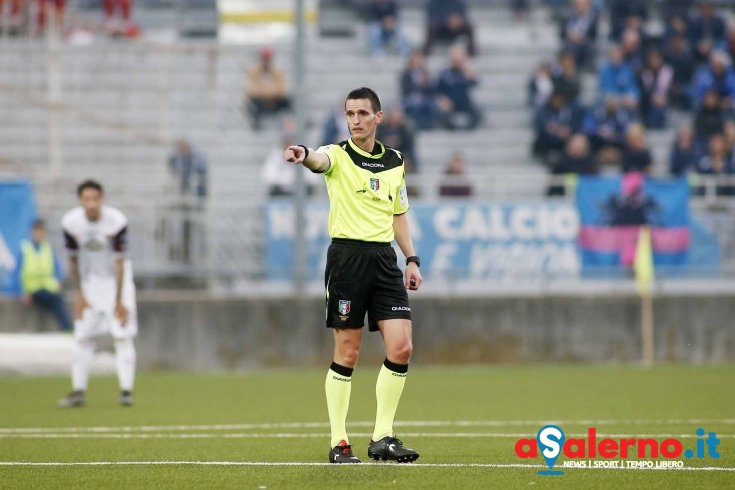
x,y
328,150
400,205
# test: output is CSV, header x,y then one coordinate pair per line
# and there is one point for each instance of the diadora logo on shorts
x,y
581,452
400,308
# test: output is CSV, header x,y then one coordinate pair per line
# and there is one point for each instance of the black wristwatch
x,y
415,259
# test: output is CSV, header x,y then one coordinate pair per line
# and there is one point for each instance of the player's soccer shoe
x,y
342,453
73,399
391,449
126,399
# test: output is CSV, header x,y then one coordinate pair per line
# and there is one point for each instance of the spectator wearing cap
x,y
267,92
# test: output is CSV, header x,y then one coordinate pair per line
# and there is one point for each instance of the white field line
x,y
297,435
418,423
296,463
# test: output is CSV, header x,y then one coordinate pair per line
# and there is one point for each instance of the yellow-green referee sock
x,y
338,387
388,391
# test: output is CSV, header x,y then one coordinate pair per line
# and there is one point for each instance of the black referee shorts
x,y
363,277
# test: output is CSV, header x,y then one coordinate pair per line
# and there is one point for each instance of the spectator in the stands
x,y
683,156
188,169
636,155
655,81
47,9
625,14
566,77
396,131
457,184
540,87
617,80
719,76
709,119
575,160
678,55
578,32
677,25
717,162
670,8
448,20
418,92
631,44
454,98
267,92
11,17
606,125
554,124
707,31
520,9
384,29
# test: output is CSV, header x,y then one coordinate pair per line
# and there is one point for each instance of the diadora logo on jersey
x,y
375,184
344,307
372,165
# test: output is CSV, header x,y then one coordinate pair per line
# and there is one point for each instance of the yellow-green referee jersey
x,y
365,191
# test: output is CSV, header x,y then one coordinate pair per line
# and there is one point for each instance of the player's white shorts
x,y
99,317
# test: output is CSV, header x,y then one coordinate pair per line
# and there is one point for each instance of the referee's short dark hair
x,y
366,93
89,184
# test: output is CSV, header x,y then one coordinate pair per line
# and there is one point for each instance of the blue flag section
x,y
455,240
17,212
612,210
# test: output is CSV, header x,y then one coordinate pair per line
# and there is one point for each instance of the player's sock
x,y
125,363
82,361
388,391
338,387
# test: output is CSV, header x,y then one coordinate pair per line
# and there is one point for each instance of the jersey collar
x,y
378,149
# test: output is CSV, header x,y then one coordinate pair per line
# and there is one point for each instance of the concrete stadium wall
x,y
193,331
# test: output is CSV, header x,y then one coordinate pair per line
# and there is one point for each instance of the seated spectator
x,y
38,275
678,56
334,129
457,109
457,184
707,31
279,175
540,87
636,155
448,21
631,43
554,125
578,33
719,76
625,14
566,78
384,29
676,26
605,125
709,119
417,92
520,9
683,156
717,162
118,20
397,132
655,81
617,80
267,92
575,160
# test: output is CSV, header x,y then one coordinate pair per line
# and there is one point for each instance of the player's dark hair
x,y
38,223
89,184
366,93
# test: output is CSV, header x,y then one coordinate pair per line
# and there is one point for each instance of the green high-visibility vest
x,y
38,268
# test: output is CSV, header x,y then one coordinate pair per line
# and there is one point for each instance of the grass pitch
x,y
268,429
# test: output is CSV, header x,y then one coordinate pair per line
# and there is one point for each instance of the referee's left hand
x,y
413,277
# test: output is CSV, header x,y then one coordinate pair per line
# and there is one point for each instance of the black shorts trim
x,y
359,243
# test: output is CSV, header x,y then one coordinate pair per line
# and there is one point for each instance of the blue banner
x,y
455,240
17,212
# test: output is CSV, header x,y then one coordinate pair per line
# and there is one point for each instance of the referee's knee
x,y
401,354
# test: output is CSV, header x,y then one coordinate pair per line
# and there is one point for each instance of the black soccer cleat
x,y
391,449
342,454
126,398
73,399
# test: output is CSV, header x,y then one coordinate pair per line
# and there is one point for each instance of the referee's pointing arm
x,y
313,160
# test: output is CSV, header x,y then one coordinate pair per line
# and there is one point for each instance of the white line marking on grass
x,y
415,423
298,463
297,435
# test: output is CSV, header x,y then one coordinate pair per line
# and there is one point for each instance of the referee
x,y
368,204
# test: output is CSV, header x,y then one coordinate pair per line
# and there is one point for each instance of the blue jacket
x,y
618,80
